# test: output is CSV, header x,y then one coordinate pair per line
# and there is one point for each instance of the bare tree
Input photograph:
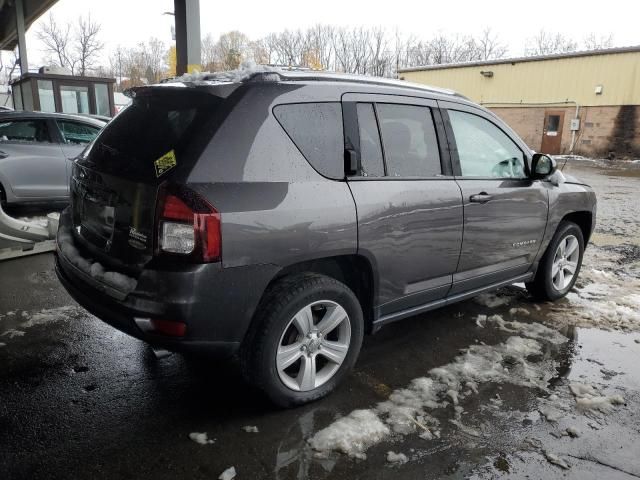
x,y
208,53
488,46
87,45
56,40
547,43
597,42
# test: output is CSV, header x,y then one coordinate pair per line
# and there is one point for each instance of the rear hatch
x,y
116,181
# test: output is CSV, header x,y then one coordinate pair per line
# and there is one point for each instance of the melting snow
x,y
250,429
587,398
556,460
228,474
393,457
491,300
247,68
406,409
201,438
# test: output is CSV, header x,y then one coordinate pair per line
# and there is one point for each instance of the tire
x,y
276,338
548,283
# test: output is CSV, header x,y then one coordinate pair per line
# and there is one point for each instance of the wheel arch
x,y
355,271
584,220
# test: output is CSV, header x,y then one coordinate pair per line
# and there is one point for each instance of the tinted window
x,y
316,129
151,127
485,150
409,138
78,133
370,148
24,131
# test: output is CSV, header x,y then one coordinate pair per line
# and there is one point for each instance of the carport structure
x,y
16,16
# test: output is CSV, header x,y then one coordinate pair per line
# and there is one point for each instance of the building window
x,y
102,99
45,93
17,97
553,124
75,99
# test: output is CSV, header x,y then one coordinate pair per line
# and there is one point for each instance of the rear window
x,y
316,129
153,127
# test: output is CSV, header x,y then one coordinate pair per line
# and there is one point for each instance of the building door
x,y
552,132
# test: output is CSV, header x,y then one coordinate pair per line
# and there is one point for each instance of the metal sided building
x,y
586,103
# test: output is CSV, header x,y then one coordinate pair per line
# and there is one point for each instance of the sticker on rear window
x,y
165,163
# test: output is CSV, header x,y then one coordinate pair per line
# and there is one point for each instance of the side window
x,y
483,149
316,129
370,147
77,133
409,139
24,131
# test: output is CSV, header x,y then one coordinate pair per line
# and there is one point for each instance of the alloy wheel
x,y
313,345
565,262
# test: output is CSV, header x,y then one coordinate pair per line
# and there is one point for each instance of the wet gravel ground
x,y
79,399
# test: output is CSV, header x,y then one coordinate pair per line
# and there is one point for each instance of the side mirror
x,y
542,166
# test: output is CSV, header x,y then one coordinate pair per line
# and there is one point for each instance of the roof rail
x,y
263,73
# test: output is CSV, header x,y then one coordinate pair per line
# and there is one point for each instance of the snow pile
x,y
228,474
246,69
556,460
352,434
407,409
587,398
399,458
201,438
250,429
94,269
605,297
491,300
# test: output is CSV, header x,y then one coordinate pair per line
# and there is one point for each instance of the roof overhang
x,y
33,9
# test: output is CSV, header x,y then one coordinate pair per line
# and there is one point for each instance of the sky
x,y
129,22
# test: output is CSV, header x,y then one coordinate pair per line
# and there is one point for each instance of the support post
x,y
187,18
22,44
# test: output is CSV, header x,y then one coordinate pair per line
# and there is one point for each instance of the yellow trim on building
x,y
565,79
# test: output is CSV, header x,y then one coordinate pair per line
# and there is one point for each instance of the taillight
x,y
188,225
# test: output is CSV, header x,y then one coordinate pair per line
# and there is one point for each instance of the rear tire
x,y
559,268
305,337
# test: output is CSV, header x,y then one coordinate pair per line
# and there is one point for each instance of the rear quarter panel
x,y
275,207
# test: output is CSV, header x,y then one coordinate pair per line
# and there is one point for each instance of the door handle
x,y
482,197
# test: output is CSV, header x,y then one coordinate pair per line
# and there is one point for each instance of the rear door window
x,y
77,133
24,131
370,146
409,139
316,129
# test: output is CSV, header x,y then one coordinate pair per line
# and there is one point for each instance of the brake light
x,y
189,225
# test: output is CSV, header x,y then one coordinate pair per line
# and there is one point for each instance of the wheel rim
x,y
565,262
313,345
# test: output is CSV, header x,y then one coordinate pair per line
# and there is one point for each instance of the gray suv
x,y
283,215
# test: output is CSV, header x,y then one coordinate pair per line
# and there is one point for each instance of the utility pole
x,y
187,24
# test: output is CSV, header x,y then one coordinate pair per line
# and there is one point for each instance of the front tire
x,y
560,265
305,338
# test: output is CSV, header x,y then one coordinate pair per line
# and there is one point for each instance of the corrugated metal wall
x,y
554,80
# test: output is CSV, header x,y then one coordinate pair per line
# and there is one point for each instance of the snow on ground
x,y
228,474
606,296
29,319
201,438
518,361
251,429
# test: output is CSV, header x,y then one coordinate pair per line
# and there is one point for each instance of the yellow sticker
x,y
165,163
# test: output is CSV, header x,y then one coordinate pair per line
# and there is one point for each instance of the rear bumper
x,y
216,304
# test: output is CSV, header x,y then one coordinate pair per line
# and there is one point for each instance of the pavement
x,y
81,400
